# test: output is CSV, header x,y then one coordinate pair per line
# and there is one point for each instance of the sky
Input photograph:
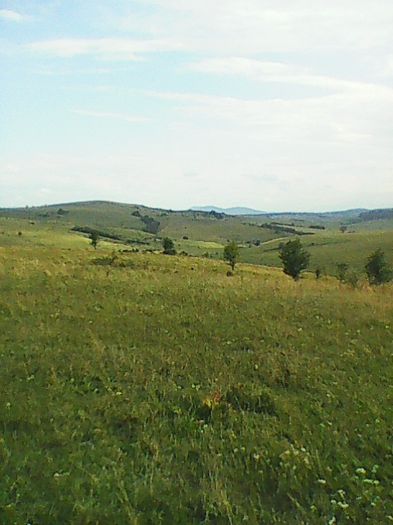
x,y
273,104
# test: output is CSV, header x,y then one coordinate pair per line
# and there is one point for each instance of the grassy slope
x,y
327,249
161,391
207,234
95,214
202,228
118,218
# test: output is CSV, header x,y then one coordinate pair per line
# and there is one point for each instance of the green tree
x,y
377,269
169,246
94,238
231,254
294,258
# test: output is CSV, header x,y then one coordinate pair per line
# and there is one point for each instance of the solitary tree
x,y
94,238
231,254
377,269
294,258
343,228
169,247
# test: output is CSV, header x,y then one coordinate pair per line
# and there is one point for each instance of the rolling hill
x,y
207,232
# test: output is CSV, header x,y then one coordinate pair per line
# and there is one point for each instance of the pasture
x,y
146,389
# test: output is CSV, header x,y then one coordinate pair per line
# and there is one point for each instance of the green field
x,y
157,389
329,249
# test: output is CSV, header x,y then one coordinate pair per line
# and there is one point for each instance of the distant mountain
x,y
229,211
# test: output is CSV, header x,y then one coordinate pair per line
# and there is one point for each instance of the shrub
x,y
169,247
94,238
231,254
294,258
342,269
377,269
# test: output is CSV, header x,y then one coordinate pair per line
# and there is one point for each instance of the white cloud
x,y
293,109
11,16
351,116
116,116
388,69
251,27
276,72
107,48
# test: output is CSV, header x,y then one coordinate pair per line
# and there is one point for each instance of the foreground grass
x,y
159,390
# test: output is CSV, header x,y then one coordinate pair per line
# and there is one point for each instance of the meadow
x,y
138,388
328,249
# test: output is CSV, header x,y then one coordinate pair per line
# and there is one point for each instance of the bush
x,y
169,247
231,254
377,269
294,258
94,238
342,269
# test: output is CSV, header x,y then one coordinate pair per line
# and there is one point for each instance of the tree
x,y
169,247
94,238
377,269
294,257
231,254
343,228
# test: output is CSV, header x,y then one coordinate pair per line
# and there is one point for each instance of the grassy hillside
x,y
125,219
96,214
159,390
327,249
201,233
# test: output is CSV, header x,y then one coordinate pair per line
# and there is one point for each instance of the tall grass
x,y
158,390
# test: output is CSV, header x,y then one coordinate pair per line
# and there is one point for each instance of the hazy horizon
x,y
270,105
191,208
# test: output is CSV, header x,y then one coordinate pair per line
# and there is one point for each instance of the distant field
x,y
159,390
329,249
197,234
212,229
121,220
